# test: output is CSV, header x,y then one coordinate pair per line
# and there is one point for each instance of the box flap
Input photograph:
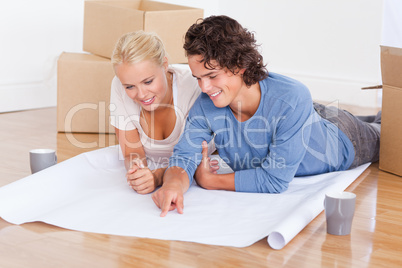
x,y
391,127
106,22
391,66
125,4
82,57
172,30
372,87
159,6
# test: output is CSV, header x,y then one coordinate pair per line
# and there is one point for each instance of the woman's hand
x,y
142,179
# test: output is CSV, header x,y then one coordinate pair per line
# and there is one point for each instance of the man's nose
x,y
205,85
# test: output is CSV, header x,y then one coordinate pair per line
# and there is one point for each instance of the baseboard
x,y
342,91
16,97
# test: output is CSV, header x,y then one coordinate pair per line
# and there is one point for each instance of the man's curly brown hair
x,y
224,40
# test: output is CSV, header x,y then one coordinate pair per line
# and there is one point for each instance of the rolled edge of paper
x,y
276,240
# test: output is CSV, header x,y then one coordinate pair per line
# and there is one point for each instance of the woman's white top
x,y
125,115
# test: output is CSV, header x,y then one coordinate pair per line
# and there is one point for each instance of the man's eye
x,y
212,77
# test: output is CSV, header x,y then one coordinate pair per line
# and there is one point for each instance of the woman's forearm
x,y
129,160
158,176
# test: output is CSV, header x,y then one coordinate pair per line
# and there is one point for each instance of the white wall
x,y
392,24
32,35
331,46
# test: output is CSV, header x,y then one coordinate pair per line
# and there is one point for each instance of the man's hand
x,y
207,177
170,195
206,170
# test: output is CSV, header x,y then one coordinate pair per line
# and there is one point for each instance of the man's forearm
x,y
158,176
177,176
222,182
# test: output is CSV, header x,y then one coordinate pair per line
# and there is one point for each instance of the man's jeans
x,y
365,136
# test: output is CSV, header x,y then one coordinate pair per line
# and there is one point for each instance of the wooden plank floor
x,y
375,241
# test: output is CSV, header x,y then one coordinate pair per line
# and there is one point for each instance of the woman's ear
x,y
165,63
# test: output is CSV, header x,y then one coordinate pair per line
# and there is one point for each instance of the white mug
x,y
339,212
42,158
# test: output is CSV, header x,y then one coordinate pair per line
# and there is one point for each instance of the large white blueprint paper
x,y
89,193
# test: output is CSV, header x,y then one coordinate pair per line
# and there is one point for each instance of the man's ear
x,y
238,71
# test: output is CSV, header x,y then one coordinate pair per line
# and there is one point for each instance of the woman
x,y
150,103
265,125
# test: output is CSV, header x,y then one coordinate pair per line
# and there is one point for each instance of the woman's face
x,y
221,85
144,82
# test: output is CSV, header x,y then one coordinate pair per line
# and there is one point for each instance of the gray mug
x,y
42,158
339,212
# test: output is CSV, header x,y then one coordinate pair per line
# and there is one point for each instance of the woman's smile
x,y
148,101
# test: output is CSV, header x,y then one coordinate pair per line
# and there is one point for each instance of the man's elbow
x,y
274,188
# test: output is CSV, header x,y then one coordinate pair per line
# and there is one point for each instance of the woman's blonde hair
x,y
138,46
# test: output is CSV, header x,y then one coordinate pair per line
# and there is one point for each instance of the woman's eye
x,y
129,87
212,77
148,82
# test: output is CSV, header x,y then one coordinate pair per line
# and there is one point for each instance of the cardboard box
x,y
391,121
106,21
73,144
83,93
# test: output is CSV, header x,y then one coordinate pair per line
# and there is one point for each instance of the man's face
x,y
220,84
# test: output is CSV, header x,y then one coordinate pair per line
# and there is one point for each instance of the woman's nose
x,y
141,93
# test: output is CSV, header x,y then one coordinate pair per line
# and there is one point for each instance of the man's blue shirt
x,y
283,139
